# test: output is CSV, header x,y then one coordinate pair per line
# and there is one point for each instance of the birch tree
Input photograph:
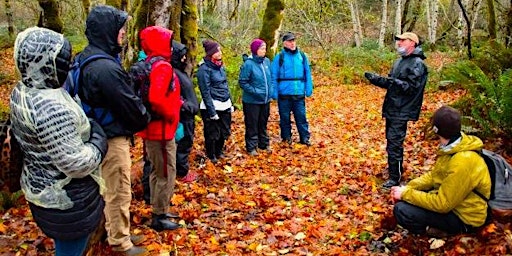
x,y
10,22
398,17
356,25
432,14
383,23
468,26
272,21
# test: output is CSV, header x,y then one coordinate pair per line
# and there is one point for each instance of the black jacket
x,y
213,84
105,83
405,86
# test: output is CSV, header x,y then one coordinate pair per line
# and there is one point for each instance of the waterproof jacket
x,y
190,106
213,85
449,185
293,76
405,86
255,80
60,166
105,83
164,86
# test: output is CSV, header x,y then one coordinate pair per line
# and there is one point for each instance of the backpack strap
x,y
281,61
156,59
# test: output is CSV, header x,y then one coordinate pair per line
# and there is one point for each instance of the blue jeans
x,y
71,247
297,105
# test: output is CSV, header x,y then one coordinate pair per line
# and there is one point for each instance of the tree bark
x,y
432,13
383,23
398,17
355,22
175,17
161,13
491,20
114,3
10,21
189,32
272,21
50,17
86,4
468,25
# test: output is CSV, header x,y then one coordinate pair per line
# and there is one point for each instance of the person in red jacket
x,y
165,102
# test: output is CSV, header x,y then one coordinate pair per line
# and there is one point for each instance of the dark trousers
x,y
298,107
184,148
216,132
74,247
416,219
395,136
256,119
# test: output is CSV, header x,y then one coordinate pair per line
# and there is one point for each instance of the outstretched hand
x,y
370,76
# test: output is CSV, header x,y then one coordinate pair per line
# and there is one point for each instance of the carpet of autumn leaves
x,y
320,200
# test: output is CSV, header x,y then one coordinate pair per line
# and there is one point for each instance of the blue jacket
x,y
213,84
293,77
255,80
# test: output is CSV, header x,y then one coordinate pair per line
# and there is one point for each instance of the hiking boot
x,y
190,177
171,215
390,183
267,149
253,152
160,222
137,239
214,160
133,251
306,142
437,233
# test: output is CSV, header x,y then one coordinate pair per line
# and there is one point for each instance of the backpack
x,y
281,61
73,87
501,184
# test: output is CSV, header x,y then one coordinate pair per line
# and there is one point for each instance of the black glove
x,y
98,138
370,76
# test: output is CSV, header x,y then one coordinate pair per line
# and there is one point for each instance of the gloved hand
x,y
98,138
215,117
370,76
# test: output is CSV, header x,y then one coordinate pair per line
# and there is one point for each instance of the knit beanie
x,y
210,47
446,122
255,45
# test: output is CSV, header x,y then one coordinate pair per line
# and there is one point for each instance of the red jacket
x,y
156,41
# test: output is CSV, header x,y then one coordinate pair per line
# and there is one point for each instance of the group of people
x,y
77,169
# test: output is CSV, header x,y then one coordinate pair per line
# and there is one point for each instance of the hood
x,y
35,53
102,27
253,57
418,52
465,143
178,51
156,41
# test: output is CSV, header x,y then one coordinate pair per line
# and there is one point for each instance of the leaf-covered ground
x,y
320,200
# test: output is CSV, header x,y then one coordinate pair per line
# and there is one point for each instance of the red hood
x,y
156,41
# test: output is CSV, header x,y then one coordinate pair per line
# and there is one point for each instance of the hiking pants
x,y
216,132
417,219
116,169
184,148
162,155
297,105
256,119
395,136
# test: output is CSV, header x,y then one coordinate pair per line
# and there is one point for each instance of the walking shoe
x,y
306,142
390,183
190,177
267,149
133,251
160,222
214,160
137,239
437,233
253,153
171,215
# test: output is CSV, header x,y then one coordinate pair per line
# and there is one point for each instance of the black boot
x,y
210,150
160,222
395,171
219,149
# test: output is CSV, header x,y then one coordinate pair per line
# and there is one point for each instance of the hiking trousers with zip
x,y
395,136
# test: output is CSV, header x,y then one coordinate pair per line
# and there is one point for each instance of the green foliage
x,y
8,200
78,42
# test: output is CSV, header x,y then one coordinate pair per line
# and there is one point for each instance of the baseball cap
x,y
409,35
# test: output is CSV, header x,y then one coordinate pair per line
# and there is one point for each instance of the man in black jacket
x,y
106,85
405,86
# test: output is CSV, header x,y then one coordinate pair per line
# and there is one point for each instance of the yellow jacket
x,y
448,186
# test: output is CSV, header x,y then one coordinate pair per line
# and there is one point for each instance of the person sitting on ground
x,y
444,200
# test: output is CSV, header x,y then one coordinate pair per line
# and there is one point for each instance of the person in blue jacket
x,y
256,84
291,76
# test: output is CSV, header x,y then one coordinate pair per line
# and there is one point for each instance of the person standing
x,y
62,149
189,110
291,76
405,86
216,106
105,84
256,84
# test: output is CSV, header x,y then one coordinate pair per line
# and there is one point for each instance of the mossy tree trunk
x,y
10,21
175,18
50,17
491,21
86,4
114,3
189,32
272,21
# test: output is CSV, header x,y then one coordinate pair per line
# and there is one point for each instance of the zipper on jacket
x,y
265,78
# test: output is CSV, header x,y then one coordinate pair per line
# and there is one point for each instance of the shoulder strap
x,y
85,62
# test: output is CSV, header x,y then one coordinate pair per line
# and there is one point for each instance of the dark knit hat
x,y
446,122
210,47
288,36
255,45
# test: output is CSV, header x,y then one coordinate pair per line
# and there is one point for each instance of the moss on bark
x,y
50,16
271,23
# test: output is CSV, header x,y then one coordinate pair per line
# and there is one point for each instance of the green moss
x,y
271,22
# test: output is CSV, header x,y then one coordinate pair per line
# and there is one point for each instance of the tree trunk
x,y
410,23
383,23
175,17
50,17
475,10
272,21
10,21
161,13
86,4
398,17
468,25
491,20
114,3
200,7
355,19
508,26
189,32
432,13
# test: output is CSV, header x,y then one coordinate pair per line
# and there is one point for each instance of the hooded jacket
x,y
293,77
255,80
163,98
105,83
405,86
190,105
449,185
59,165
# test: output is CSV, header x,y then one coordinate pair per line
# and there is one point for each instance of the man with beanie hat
x,y
444,200
254,79
291,76
404,96
216,106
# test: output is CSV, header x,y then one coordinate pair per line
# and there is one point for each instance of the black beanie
x,y
446,122
210,47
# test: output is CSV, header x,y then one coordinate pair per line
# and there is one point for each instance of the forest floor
x,y
320,200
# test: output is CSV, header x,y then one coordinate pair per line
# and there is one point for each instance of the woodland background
x,y
319,200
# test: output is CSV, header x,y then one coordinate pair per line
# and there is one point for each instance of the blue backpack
x,y
73,87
